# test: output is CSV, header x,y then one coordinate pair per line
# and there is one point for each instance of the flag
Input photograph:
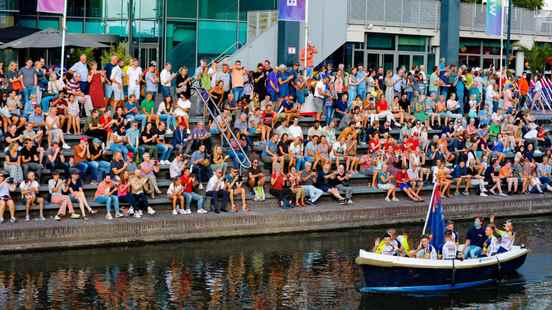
x,y
493,18
437,220
51,6
291,10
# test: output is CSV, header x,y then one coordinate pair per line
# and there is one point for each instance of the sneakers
x,y
12,220
181,211
482,194
168,132
350,202
175,212
502,194
57,217
342,201
151,211
387,199
131,211
66,147
1,220
187,211
27,218
119,215
466,193
75,216
137,215
201,211
108,217
395,199
41,219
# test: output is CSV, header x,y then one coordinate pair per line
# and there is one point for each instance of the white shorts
x,y
118,94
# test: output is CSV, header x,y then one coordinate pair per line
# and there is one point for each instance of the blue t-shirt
x,y
129,106
273,147
108,68
288,105
341,105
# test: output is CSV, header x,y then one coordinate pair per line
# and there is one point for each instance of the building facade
x,y
178,31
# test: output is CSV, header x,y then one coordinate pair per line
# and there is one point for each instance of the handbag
x,y
17,85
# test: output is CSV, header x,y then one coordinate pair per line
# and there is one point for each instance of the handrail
x,y
244,162
224,53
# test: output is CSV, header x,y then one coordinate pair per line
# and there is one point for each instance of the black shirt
x,y
29,154
476,236
117,164
149,135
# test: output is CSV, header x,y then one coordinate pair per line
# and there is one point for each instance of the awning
x,y
51,38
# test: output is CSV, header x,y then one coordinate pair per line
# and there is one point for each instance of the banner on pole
x,y
291,10
493,18
50,6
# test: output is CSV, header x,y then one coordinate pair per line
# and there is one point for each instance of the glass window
x,y
218,9
358,59
146,28
412,43
380,42
8,5
256,5
404,61
94,8
181,44
94,26
75,25
118,27
179,8
115,9
147,8
215,38
44,23
75,8
27,22
27,7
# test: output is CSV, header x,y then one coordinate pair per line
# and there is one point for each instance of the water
x,y
295,271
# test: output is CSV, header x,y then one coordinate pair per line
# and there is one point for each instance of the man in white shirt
x,y
166,78
117,84
216,189
320,94
29,194
295,131
134,74
81,67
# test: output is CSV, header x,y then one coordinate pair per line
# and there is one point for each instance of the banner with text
x,y
291,10
493,17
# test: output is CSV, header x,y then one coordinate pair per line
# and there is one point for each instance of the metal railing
x,y
226,52
425,14
204,96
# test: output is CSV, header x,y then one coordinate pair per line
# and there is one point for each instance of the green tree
x,y
120,50
536,56
528,4
77,52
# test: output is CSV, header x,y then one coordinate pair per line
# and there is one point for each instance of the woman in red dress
x,y
96,80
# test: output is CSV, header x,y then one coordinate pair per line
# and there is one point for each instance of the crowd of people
x,y
481,241
467,129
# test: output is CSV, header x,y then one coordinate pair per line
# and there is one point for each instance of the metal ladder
x,y
244,161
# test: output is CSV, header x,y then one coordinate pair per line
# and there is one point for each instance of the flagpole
x,y
501,45
306,37
429,208
63,28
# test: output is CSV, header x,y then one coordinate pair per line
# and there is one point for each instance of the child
x,y
449,248
73,111
175,192
296,188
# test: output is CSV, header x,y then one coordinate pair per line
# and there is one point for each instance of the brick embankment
x,y
23,236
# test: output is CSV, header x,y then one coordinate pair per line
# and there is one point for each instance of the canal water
x,y
294,271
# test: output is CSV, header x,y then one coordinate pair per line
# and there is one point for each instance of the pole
x,y
501,45
429,208
63,30
509,34
306,37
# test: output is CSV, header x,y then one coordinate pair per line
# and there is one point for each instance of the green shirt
x,y
433,82
494,129
148,106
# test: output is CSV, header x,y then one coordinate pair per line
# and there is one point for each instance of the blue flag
x,y
437,221
291,10
493,18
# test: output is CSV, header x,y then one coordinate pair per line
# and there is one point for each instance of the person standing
x,y
166,78
96,80
116,79
134,74
237,75
30,81
81,68
108,90
152,80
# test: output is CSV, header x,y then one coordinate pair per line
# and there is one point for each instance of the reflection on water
x,y
299,271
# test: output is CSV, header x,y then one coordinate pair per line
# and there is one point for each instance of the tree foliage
x,y
536,56
528,4
120,50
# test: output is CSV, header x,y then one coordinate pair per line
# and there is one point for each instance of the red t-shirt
x,y
279,184
187,183
382,106
402,177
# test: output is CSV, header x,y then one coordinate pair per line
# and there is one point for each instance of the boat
x,y
395,274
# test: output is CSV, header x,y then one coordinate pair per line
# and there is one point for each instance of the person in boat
x,y
507,236
425,250
491,245
450,248
388,245
454,233
475,239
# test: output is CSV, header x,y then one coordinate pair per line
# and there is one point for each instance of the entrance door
x,y
388,62
147,53
372,61
404,61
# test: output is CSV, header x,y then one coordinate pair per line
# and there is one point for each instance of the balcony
x,y
425,14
